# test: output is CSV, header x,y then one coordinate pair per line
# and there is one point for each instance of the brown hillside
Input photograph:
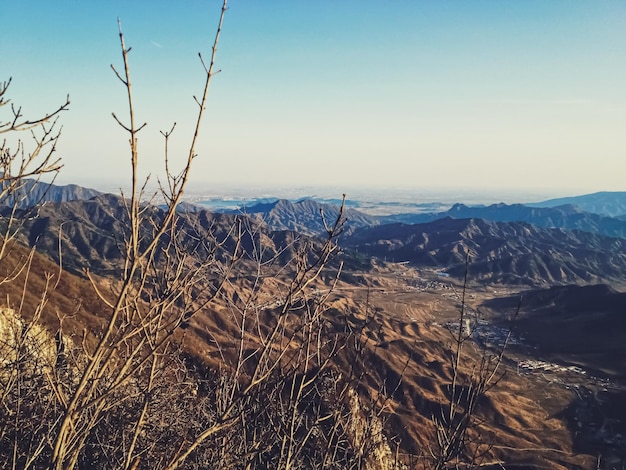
x,y
405,356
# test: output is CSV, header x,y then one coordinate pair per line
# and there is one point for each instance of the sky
x,y
498,95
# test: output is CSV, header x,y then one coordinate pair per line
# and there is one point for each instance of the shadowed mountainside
x,y
505,253
579,325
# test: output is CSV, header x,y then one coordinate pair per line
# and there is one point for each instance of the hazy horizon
x,y
198,191
485,96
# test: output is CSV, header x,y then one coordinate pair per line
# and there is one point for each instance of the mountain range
x,y
507,244
569,217
499,252
304,215
405,332
89,234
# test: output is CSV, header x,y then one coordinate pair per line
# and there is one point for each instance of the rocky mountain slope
x,y
305,216
92,234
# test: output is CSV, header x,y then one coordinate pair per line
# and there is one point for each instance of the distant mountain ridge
x,y
608,203
568,216
304,216
502,251
603,213
33,192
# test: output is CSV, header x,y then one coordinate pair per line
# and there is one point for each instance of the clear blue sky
x,y
390,93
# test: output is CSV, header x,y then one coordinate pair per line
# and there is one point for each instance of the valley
x,y
534,300
585,392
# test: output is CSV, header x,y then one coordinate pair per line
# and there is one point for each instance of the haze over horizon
x,y
438,96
